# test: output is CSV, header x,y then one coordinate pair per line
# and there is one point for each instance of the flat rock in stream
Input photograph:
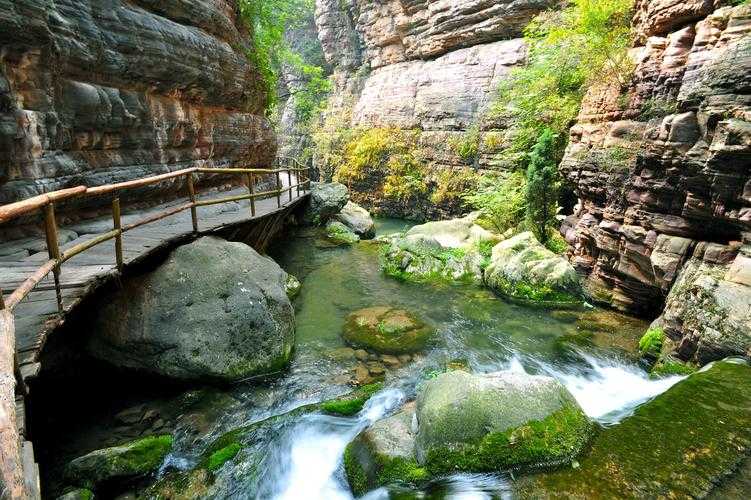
x,y
386,330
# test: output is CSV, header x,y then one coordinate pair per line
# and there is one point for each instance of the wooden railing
x,y
46,203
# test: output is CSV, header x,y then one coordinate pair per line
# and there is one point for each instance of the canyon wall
x,y
662,172
425,66
101,91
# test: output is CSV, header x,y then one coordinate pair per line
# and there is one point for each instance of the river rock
x,y
697,432
452,249
358,220
522,268
386,330
119,462
326,200
384,453
498,421
292,286
214,310
340,234
77,494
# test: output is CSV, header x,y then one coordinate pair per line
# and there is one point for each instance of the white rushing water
x,y
304,462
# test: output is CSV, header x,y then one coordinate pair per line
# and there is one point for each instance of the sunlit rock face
x,y
661,167
101,91
431,66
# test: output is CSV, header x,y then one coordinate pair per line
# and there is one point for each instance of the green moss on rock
x,y
353,402
341,234
681,444
668,366
217,459
119,462
386,330
77,494
650,344
534,294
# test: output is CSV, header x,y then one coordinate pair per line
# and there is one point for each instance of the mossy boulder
x,y
340,234
650,344
292,286
353,402
451,250
384,454
77,494
326,200
497,421
681,444
125,461
523,270
214,311
357,219
386,330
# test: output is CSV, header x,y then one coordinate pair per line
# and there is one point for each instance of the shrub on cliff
x,y
500,200
569,49
541,194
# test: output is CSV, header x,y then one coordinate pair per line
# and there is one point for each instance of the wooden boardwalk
x,y
38,314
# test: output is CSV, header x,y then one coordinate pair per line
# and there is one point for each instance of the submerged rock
x,y
521,268
119,462
497,421
292,286
358,220
453,249
340,234
384,454
326,200
386,330
215,310
682,444
353,402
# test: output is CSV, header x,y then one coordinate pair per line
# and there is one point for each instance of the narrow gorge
x,y
388,249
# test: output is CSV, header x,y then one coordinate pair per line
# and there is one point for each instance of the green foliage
x,y
217,459
569,49
668,367
330,135
533,293
651,343
500,200
467,146
541,194
311,97
351,403
556,243
450,185
268,21
657,108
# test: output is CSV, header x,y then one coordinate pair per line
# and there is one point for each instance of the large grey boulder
x,y
707,313
214,310
522,268
326,200
358,220
497,421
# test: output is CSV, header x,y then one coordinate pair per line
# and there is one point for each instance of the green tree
x,y
542,190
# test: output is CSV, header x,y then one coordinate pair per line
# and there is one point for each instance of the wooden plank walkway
x,y
37,315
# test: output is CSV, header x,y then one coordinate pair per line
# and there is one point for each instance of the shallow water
x,y
592,352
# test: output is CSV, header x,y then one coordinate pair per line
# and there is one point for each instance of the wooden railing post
x,y
117,226
2,300
53,248
289,179
251,189
192,195
278,190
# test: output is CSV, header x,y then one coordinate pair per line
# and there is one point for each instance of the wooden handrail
x,y
57,258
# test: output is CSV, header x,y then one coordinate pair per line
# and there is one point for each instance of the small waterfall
x,y
303,463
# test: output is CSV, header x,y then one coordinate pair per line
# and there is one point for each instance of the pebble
x,y
405,358
361,354
391,361
362,375
342,354
375,368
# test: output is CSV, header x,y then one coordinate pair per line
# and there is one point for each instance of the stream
x,y
299,456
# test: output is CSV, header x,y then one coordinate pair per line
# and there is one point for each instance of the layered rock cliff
x,y
427,66
661,170
101,91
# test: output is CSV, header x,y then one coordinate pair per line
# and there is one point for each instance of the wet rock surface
x,y
214,310
326,200
386,330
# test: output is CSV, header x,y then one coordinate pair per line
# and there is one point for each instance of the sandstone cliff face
x,y
661,169
100,91
430,66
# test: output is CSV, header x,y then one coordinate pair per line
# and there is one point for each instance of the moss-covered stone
x,y
668,366
679,445
217,459
77,494
384,454
386,330
351,403
340,234
292,286
119,462
497,422
650,344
